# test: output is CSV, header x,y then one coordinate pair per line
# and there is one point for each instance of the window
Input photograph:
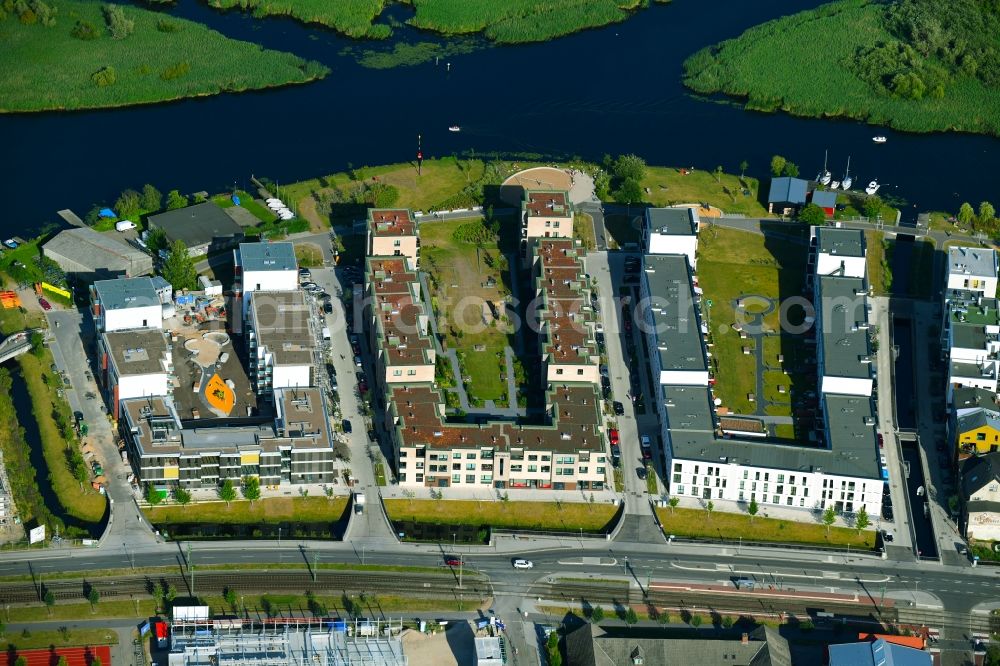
x,y
580,371
980,436
456,478
677,467
677,478
802,501
781,479
470,456
775,499
695,469
470,466
420,478
559,371
532,456
395,243
791,479
805,492
515,468
757,476
600,470
789,501
470,478
583,470
741,495
397,373
456,466
780,490
532,468
411,372
456,455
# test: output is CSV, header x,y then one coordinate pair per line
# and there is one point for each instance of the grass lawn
x,y
267,510
667,186
697,523
569,516
82,610
624,229
344,605
878,269
583,230
308,255
247,201
164,58
459,290
735,263
39,640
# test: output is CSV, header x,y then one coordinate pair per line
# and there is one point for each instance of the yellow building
x,y
978,430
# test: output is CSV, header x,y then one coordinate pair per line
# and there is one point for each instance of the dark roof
x,y
675,319
979,472
787,190
268,256
972,396
196,225
125,293
841,242
672,221
824,198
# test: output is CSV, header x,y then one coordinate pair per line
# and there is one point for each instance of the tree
x,y
118,24
966,213
156,240
230,597
93,596
596,614
777,165
251,488
791,169
21,661
552,650
37,341
227,493
152,494
629,167
62,661
628,192
744,165
829,516
873,206
986,212
178,269
696,620
50,600
673,502
176,200
812,214
753,508
152,200
861,520
182,496
718,174
710,507
96,661
157,594
129,203
630,616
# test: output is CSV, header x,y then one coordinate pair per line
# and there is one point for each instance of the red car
x,y
881,444
452,561
45,304
613,436
362,387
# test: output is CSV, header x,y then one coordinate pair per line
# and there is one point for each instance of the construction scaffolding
x,y
287,642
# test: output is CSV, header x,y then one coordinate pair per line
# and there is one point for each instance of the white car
x,y
523,564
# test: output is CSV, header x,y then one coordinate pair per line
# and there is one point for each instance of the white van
x,y
326,333
124,225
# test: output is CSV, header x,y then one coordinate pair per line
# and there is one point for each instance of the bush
x,y
104,77
473,232
176,71
163,25
120,25
85,30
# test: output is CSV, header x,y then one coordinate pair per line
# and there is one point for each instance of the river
x,y
612,90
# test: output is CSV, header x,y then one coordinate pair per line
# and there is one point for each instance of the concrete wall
x,y
290,376
830,264
684,377
845,385
664,244
144,317
388,246
573,372
550,227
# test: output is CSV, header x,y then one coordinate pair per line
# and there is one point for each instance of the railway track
x,y
259,582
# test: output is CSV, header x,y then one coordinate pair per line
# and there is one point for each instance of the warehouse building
x,y
88,255
203,228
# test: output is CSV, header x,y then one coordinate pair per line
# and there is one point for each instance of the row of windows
x,y
399,373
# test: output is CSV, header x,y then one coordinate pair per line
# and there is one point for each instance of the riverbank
x,y
814,64
77,62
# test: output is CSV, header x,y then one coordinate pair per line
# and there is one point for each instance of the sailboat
x,y
872,187
847,180
824,176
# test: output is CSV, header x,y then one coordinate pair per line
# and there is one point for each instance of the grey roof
x,y
972,261
281,321
842,242
979,506
851,451
268,257
594,646
137,352
824,198
877,653
96,252
977,418
960,369
787,190
972,396
675,319
196,225
126,293
841,309
979,471
970,336
672,221
160,284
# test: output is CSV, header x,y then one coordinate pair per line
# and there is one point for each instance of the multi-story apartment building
x,y
125,303
292,447
134,364
263,267
566,316
970,339
672,231
280,341
404,351
393,233
840,468
974,269
839,252
546,214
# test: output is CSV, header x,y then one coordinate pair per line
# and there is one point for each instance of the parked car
x,y
599,337
604,371
362,387
641,472
616,451
45,304
613,437
523,564
619,408
881,441
347,427
357,361
452,561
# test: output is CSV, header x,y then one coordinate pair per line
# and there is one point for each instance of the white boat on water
x,y
834,184
879,139
824,176
454,128
872,187
847,180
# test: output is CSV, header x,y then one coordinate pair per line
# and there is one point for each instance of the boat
x,y
879,139
454,128
11,243
824,176
834,184
847,180
872,187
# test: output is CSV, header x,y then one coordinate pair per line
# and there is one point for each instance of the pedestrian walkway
x,y
497,494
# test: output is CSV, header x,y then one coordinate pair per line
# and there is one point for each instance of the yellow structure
x,y
56,290
979,430
219,395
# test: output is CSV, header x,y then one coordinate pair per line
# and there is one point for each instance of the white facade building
x,y
280,341
974,269
125,303
672,231
264,267
134,364
839,252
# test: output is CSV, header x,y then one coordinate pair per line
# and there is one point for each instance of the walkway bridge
x,y
15,345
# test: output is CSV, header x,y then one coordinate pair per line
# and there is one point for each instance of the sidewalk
x,y
496,494
766,511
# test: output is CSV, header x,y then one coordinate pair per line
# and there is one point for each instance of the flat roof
x,y
391,222
676,322
547,203
399,315
841,242
126,293
567,336
844,306
267,256
137,352
672,221
196,225
976,311
971,336
95,250
976,261
281,322
302,416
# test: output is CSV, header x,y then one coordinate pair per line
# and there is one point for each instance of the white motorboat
x,y
454,128
847,180
879,139
834,184
824,176
872,187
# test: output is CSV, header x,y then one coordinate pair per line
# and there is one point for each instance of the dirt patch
x,y
447,648
711,211
538,178
307,211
